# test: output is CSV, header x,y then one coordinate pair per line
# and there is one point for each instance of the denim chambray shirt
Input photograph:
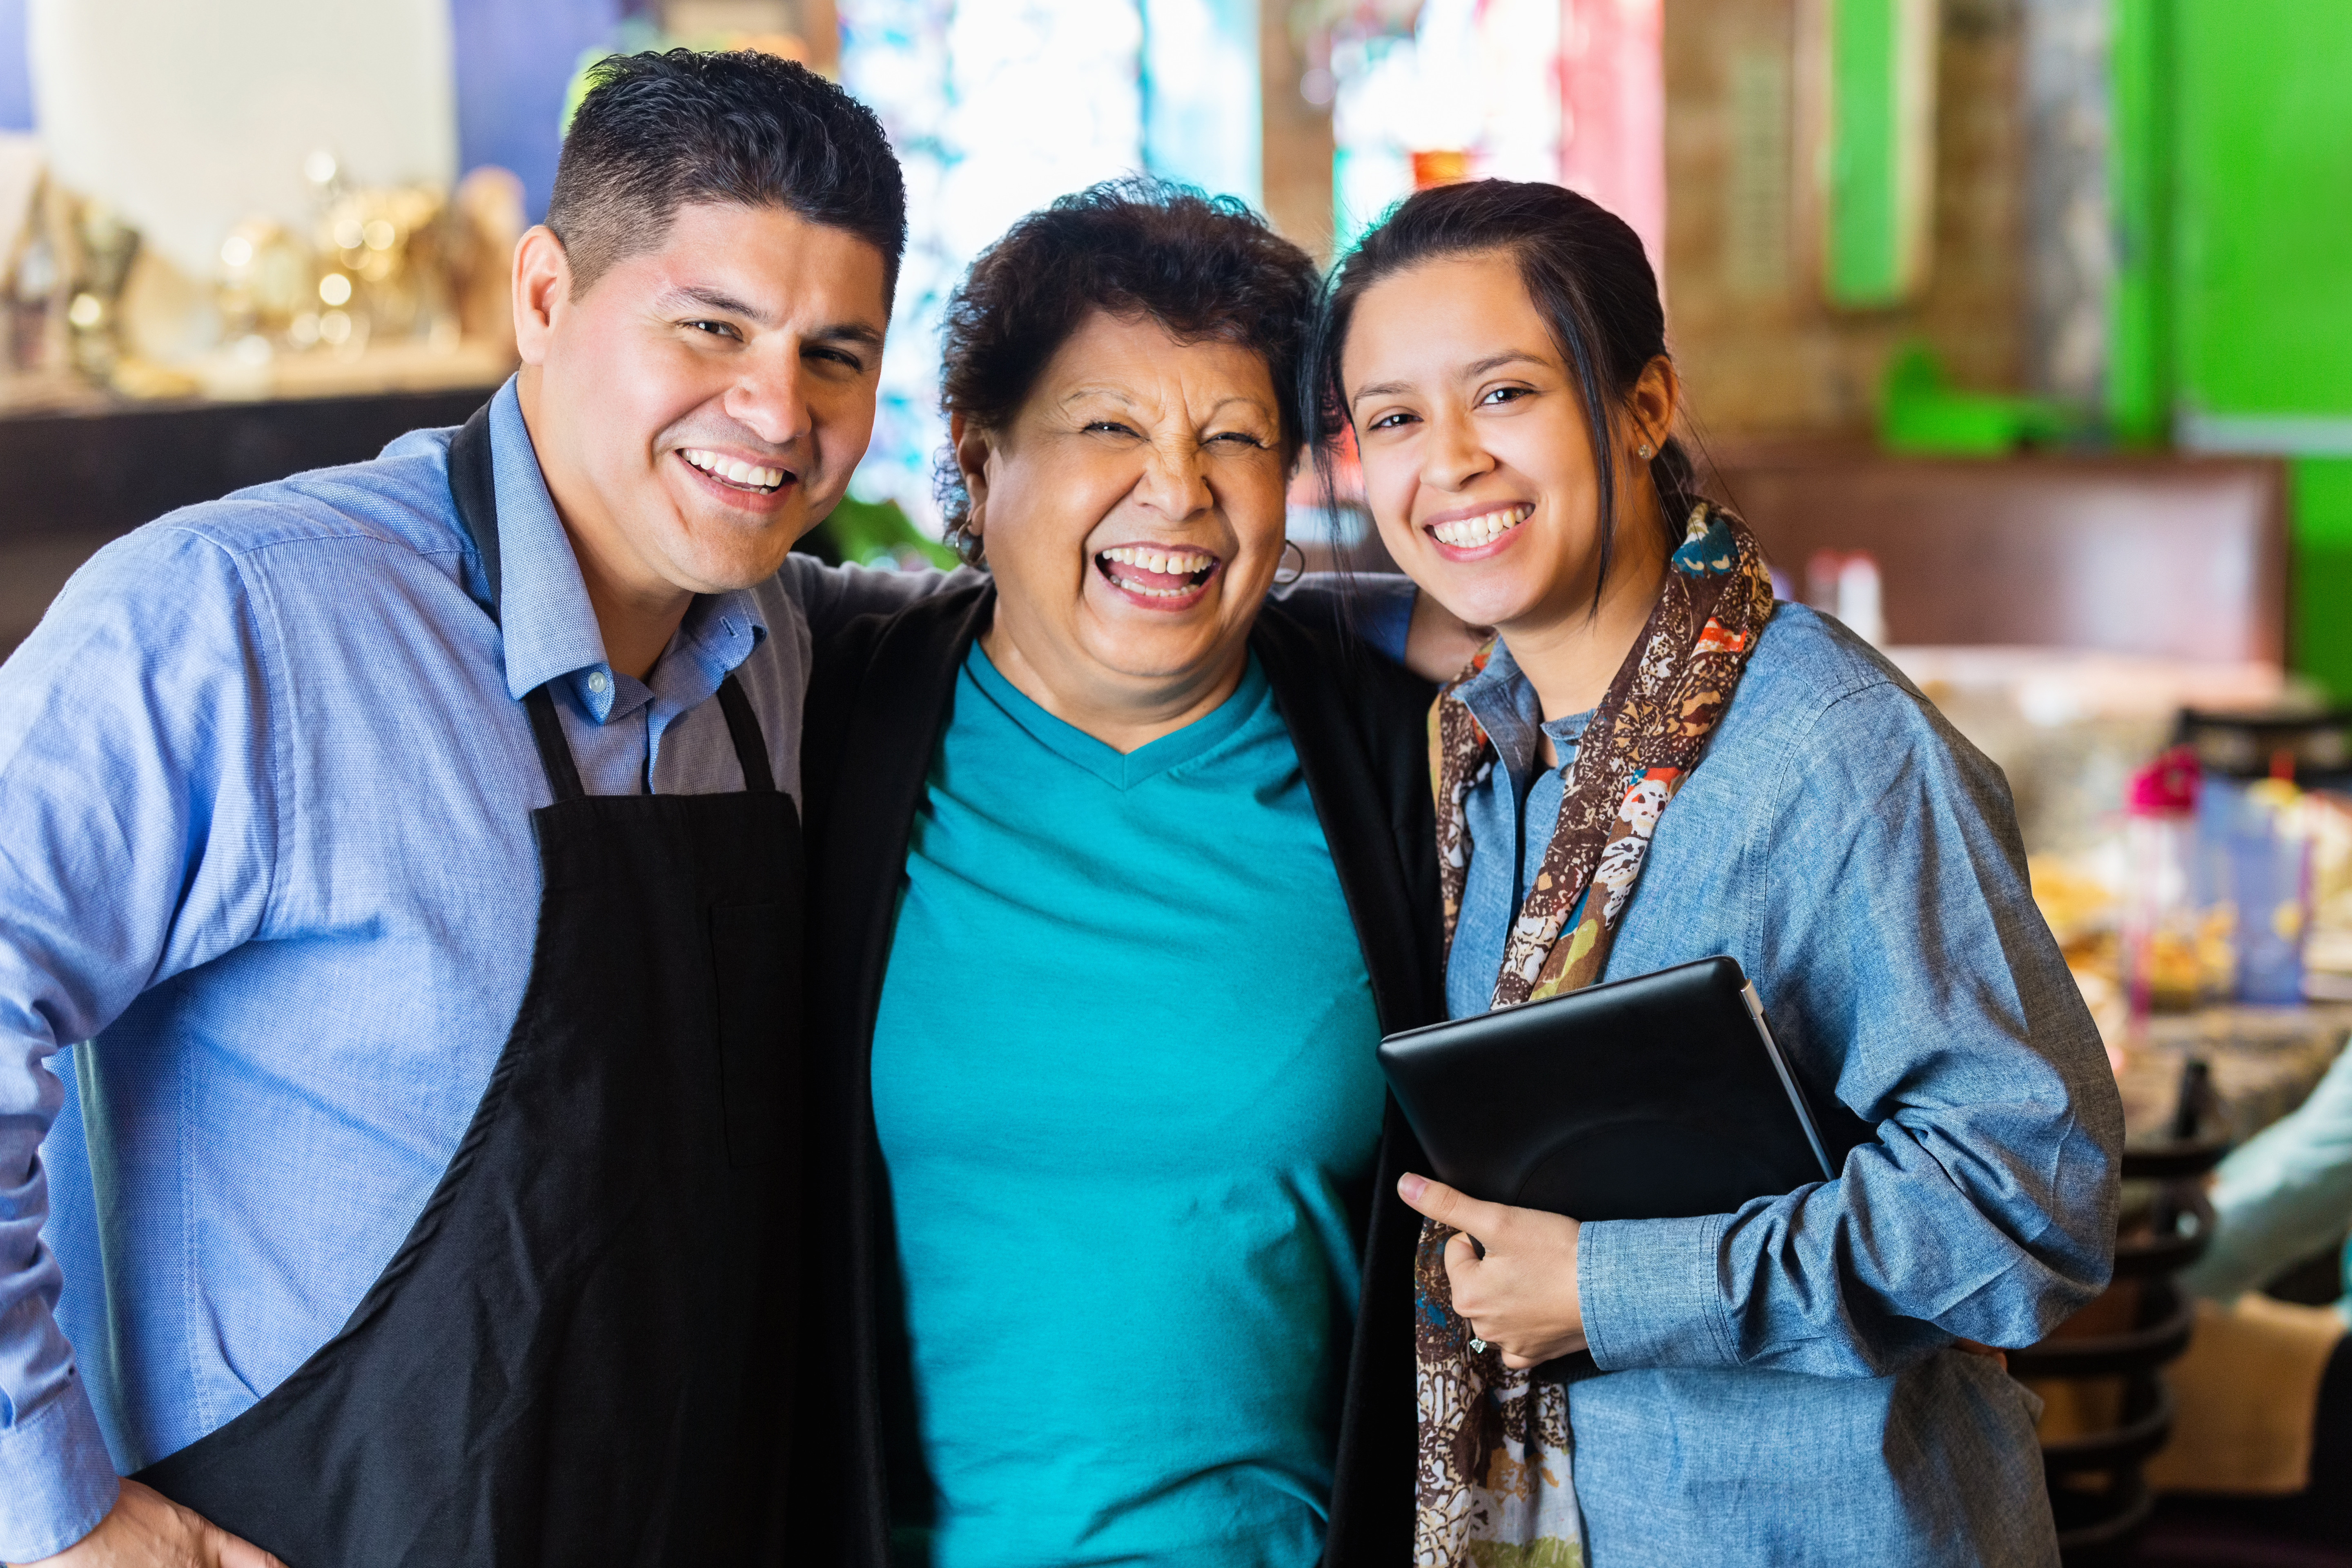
x,y
1776,1384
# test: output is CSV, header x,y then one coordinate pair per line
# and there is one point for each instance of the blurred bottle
x,y
2162,918
1846,583
2269,873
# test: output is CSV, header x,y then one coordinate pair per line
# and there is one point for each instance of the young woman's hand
x,y
1521,1297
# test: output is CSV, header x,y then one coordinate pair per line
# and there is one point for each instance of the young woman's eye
x,y
1503,394
1391,421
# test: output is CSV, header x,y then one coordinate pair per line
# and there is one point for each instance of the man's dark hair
x,y
1584,271
1201,266
658,130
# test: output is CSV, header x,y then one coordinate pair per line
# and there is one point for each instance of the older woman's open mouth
x,y
1158,576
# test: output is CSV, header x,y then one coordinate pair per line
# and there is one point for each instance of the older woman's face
x,y
1132,511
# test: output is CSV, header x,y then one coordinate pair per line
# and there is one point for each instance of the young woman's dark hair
x,y
1584,270
657,131
1201,266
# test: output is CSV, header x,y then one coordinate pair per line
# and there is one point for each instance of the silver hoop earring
x,y
1290,547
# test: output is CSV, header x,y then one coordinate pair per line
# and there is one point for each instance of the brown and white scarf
x,y
1495,1479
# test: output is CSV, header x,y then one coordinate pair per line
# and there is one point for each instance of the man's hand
x,y
1439,643
147,1529
1521,1297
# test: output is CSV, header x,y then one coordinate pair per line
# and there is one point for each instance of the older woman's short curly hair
x,y
1203,267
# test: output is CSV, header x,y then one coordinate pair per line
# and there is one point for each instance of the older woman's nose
x,y
1175,482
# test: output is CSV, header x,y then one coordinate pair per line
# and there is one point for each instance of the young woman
x,y
1654,763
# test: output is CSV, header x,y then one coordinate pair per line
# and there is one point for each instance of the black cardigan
x,y
878,699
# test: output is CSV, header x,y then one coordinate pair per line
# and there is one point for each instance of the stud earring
x,y
1643,451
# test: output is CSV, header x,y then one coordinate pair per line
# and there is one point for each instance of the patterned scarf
x,y
1495,1482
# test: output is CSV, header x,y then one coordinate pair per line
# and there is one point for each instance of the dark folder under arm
x,y
1654,1098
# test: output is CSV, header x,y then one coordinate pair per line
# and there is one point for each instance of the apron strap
x,y
750,745
554,751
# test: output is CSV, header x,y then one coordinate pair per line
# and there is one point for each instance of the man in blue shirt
x,y
398,907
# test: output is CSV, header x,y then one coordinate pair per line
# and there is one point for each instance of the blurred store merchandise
x,y
392,288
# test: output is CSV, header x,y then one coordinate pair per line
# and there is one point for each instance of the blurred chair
x,y
2097,1486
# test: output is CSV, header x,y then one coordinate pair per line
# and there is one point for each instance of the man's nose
x,y
771,401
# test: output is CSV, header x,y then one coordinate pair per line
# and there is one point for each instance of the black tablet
x,y
1654,1098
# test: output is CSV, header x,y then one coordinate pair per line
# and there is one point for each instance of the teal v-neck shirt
x,y
1124,1081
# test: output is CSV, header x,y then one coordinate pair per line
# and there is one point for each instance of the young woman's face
x,y
1478,465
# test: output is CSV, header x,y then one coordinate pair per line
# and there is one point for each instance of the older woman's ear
x,y
972,448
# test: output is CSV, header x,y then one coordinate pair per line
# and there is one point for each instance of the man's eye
x,y
716,329
836,356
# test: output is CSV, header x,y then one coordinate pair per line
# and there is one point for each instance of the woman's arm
x,y
1895,942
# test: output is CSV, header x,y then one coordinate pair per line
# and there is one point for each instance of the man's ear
x,y
973,448
542,285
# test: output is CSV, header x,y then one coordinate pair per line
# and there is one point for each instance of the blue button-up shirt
x,y
265,847
1779,1390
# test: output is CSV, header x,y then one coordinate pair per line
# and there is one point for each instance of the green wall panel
x,y
2262,252
2323,573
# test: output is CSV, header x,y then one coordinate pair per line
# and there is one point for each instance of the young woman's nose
x,y
1451,454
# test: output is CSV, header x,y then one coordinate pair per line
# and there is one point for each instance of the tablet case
x,y
1654,1098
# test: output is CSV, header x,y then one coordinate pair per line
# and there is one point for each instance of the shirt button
x,y
597,681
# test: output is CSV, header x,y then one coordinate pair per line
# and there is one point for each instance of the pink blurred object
x,y
1614,129
2166,786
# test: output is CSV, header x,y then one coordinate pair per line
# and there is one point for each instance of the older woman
x,y
1122,873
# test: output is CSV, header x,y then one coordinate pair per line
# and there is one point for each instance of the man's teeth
x,y
1469,533
750,474
1176,562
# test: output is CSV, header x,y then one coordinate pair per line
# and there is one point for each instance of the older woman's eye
x,y
1240,438
1109,427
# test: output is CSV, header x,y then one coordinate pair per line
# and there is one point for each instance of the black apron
x,y
580,1352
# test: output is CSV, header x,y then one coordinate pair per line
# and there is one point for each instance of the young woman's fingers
x,y
1440,1202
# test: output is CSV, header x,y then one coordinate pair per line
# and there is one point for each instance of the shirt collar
x,y
1506,706
550,627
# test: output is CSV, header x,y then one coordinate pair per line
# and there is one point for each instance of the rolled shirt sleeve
x,y
136,836
1894,939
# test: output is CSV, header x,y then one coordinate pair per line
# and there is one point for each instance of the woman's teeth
x,y
751,476
1469,533
1179,563
1180,570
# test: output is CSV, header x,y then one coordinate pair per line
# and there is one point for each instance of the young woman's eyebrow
x,y
1476,368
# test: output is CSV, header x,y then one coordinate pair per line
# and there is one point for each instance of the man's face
x,y
701,405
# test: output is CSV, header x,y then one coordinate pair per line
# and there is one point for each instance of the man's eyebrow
x,y
849,333
717,299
